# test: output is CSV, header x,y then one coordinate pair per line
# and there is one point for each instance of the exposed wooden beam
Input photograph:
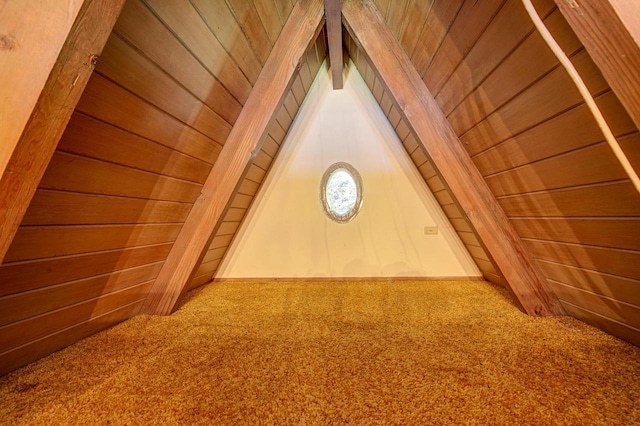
x,y
241,147
610,31
27,154
448,155
334,37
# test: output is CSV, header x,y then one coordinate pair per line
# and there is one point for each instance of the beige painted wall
x,y
286,233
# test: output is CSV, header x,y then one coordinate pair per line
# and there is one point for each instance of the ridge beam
x,y
334,38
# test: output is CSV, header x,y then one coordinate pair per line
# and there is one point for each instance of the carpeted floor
x,y
335,353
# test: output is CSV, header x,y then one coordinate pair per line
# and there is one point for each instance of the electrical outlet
x,y
430,230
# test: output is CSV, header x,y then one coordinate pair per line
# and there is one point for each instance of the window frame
x,y
351,214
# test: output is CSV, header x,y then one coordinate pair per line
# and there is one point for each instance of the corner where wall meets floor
x,y
410,352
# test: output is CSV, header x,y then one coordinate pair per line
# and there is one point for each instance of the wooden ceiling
x,y
170,87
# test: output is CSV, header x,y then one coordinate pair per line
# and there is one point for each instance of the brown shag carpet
x,y
335,353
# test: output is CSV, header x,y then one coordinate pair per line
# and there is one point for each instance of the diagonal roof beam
x,y
27,157
610,31
440,142
241,147
334,37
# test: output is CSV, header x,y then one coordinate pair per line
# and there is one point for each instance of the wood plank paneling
x,y
607,324
30,275
38,348
541,175
48,90
515,73
26,331
140,76
612,286
142,141
622,233
610,308
185,22
25,305
251,23
61,208
470,23
221,22
39,242
603,200
114,145
108,102
606,260
610,30
571,130
99,177
550,96
274,84
138,25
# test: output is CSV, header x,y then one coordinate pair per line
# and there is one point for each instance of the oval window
x,y
341,192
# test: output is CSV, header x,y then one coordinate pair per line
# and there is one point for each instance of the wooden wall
x,y
536,144
166,92
250,185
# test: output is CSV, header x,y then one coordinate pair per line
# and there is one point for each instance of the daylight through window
x,y
341,192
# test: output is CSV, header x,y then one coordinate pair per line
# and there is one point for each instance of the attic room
x,y
319,212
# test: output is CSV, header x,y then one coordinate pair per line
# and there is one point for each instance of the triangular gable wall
x,y
386,239
277,130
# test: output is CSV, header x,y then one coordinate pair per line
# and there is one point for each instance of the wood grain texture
x,y
21,306
109,102
22,355
26,60
114,145
102,178
491,224
516,72
32,329
614,287
625,263
470,23
604,323
140,27
31,275
542,175
39,242
610,31
50,207
186,23
243,142
622,233
132,71
219,17
334,37
55,103
564,133
548,97
435,29
261,165
249,20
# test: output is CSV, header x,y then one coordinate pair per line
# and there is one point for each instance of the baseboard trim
x,y
339,279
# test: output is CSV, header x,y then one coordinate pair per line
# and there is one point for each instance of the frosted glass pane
x,y
342,192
